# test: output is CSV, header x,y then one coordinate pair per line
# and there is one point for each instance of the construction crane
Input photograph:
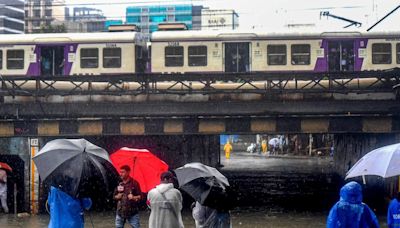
x,y
328,14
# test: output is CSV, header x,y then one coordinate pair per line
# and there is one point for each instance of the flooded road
x,y
242,219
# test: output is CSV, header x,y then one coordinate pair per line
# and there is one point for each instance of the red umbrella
x,y
5,166
146,168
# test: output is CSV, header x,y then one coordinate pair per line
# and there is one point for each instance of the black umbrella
x,y
205,184
77,167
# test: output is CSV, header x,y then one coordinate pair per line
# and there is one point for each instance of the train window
x,y
276,54
382,53
197,55
112,57
173,56
89,57
15,59
1,59
300,54
398,53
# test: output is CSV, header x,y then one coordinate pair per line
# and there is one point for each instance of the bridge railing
x,y
203,83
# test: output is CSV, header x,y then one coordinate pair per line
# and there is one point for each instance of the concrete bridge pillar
x,y
349,148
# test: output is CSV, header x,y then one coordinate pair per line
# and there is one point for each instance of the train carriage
x,y
72,54
218,51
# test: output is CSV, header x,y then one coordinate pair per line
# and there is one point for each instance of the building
x,y
39,13
147,18
219,19
109,23
84,19
12,17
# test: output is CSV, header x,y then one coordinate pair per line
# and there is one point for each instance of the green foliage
x,y
53,28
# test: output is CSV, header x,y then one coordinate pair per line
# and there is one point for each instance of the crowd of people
x,y
164,201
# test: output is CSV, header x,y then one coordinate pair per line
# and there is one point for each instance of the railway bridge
x,y
180,116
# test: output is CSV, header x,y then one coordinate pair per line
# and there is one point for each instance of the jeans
x,y
133,221
224,220
3,199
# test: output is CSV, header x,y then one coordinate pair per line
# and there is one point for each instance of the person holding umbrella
x,y
128,195
66,211
76,170
212,193
165,203
207,217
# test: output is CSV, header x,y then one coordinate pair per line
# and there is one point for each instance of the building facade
x,y
84,19
212,19
147,18
12,16
113,22
39,13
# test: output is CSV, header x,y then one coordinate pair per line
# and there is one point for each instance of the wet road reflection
x,y
242,219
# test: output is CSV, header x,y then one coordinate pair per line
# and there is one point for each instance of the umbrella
x,y
76,166
274,142
201,182
384,162
146,168
5,166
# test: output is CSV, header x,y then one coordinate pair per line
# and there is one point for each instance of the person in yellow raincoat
x,y
264,146
228,149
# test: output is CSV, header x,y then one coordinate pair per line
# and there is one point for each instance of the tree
x,y
53,28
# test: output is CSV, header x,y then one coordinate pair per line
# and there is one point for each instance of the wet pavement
x,y
243,219
239,219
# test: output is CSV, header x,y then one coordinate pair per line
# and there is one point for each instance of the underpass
x,y
180,118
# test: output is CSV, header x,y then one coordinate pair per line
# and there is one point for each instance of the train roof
x,y
69,37
160,36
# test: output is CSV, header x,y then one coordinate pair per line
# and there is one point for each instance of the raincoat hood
x,y
164,187
351,193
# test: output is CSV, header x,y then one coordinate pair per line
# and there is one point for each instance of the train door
x,y
341,55
237,57
52,60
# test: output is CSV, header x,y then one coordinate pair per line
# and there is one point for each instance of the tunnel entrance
x,y
281,171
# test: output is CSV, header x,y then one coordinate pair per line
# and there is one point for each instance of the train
x,y
120,53
72,54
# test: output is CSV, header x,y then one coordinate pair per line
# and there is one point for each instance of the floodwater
x,y
240,218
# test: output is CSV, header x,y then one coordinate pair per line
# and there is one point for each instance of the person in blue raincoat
x,y
350,211
66,211
393,215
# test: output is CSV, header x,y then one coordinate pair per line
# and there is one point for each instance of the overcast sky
x,y
271,15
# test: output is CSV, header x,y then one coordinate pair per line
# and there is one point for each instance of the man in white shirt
x,y
3,190
165,202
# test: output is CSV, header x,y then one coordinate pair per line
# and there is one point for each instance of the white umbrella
x,y
274,142
384,162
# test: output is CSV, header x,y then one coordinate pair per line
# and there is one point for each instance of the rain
x,y
200,113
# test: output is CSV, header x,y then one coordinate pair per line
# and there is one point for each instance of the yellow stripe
x,y
33,181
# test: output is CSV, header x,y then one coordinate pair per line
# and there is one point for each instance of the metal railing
x,y
203,83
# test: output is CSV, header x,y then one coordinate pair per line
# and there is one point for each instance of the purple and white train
x,y
216,51
196,51
72,54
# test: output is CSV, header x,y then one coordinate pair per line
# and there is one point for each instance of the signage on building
x,y
218,19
